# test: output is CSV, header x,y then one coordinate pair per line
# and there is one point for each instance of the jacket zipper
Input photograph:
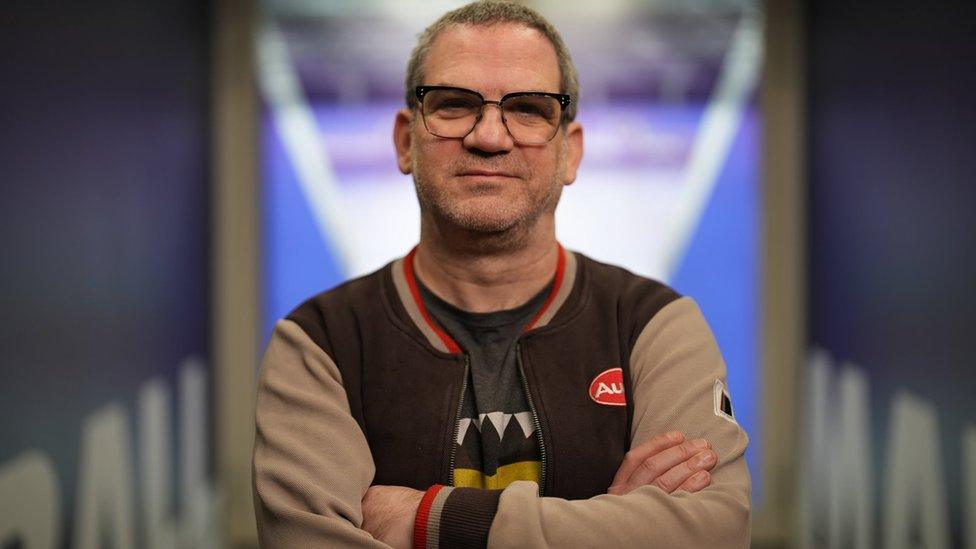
x,y
535,418
457,419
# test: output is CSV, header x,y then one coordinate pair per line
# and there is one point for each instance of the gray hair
x,y
487,13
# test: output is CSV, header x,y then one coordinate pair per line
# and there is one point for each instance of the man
x,y
492,387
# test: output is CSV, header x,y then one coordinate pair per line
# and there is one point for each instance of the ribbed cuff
x,y
454,517
425,526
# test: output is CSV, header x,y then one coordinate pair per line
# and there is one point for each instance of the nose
x,y
489,133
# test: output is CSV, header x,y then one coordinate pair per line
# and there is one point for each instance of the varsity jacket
x,y
360,386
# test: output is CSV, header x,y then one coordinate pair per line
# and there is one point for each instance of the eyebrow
x,y
452,85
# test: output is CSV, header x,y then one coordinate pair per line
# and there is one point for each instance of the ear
x,y
574,151
402,138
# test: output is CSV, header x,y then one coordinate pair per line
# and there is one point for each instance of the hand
x,y
389,512
667,461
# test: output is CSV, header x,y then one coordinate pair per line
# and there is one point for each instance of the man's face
x,y
486,182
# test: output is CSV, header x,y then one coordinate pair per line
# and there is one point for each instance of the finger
x,y
658,464
644,450
698,481
676,476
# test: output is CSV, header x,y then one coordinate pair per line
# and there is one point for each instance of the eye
x,y
532,107
455,103
450,103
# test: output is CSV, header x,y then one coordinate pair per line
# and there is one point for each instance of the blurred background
x,y
175,176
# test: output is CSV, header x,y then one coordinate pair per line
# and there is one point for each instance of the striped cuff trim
x,y
426,527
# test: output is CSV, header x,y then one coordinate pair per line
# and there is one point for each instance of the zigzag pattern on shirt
x,y
498,420
493,440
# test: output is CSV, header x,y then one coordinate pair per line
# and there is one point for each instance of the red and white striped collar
x,y
409,293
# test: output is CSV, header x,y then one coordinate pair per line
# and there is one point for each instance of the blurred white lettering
x,y
154,450
836,460
31,510
915,488
836,505
198,525
104,514
969,484
195,526
103,505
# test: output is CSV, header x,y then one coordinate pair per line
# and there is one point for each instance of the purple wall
x,y
892,249
104,168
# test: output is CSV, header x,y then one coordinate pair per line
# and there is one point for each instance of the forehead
x,y
493,59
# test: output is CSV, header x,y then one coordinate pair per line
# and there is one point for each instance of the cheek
x,y
432,158
546,165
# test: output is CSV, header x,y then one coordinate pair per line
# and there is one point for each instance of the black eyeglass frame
x,y
563,99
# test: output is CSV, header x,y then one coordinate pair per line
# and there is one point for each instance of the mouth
x,y
486,175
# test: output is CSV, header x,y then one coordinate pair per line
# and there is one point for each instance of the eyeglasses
x,y
532,118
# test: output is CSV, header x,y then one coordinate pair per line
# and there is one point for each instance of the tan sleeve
x,y
674,365
312,464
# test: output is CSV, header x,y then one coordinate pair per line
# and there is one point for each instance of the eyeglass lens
x,y
531,119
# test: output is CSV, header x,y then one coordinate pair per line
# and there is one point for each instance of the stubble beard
x,y
484,226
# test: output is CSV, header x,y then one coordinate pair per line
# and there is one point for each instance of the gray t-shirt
x,y
496,443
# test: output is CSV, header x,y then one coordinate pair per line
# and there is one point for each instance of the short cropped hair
x,y
487,13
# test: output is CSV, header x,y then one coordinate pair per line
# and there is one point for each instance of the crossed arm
x,y
666,461
307,494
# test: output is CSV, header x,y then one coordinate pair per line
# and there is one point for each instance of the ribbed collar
x,y
408,292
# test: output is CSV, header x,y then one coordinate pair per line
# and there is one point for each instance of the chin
x,y
484,223
486,213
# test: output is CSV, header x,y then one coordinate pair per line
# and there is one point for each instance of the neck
x,y
486,272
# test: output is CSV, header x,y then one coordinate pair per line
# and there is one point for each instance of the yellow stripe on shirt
x,y
504,475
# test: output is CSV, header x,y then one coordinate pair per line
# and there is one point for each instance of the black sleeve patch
x,y
726,405
722,401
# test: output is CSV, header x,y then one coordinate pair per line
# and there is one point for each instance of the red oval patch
x,y
608,388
